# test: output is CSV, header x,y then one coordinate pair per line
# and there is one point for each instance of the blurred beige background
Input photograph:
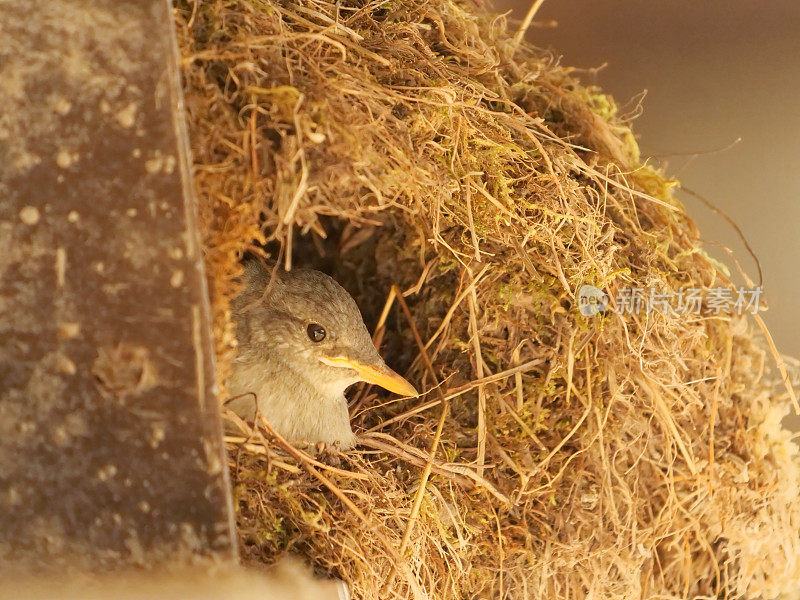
x,y
715,71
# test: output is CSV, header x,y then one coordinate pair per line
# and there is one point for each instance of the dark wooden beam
x,y
111,451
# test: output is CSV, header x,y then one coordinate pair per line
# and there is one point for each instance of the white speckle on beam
x,y
66,366
107,472
66,159
29,215
61,105
154,165
69,330
127,116
61,266
177,279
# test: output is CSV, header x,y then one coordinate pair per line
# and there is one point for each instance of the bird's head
x,y
310,323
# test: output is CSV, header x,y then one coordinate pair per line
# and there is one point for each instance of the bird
x,y
301,343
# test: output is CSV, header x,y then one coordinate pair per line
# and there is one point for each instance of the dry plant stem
x,y
668,419
426,473
455,392
460,474
437,435
423,482
264,447
414,289
526,22
398,561
394,448
520,393
723,375
471,219
420,494
736,228
780,363
253,143
451,311
380,327
476,344
377,338
398,294
522,424
543,464
787,381
259,449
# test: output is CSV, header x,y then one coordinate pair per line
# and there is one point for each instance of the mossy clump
x,y
464,187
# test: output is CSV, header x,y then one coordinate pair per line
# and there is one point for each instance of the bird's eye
x,y
316,332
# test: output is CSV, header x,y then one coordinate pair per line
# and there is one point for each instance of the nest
x,y
463,186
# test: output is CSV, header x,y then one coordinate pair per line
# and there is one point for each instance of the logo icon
x,y
591,300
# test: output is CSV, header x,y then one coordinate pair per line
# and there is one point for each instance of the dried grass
x,y
417,144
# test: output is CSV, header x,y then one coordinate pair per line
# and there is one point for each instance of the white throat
x,y
298,406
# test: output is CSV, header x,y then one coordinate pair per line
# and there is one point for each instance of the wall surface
x,y
721,110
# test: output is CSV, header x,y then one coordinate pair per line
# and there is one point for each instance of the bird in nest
x,y
302,343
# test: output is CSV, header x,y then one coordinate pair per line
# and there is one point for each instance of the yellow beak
x,y
379,375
